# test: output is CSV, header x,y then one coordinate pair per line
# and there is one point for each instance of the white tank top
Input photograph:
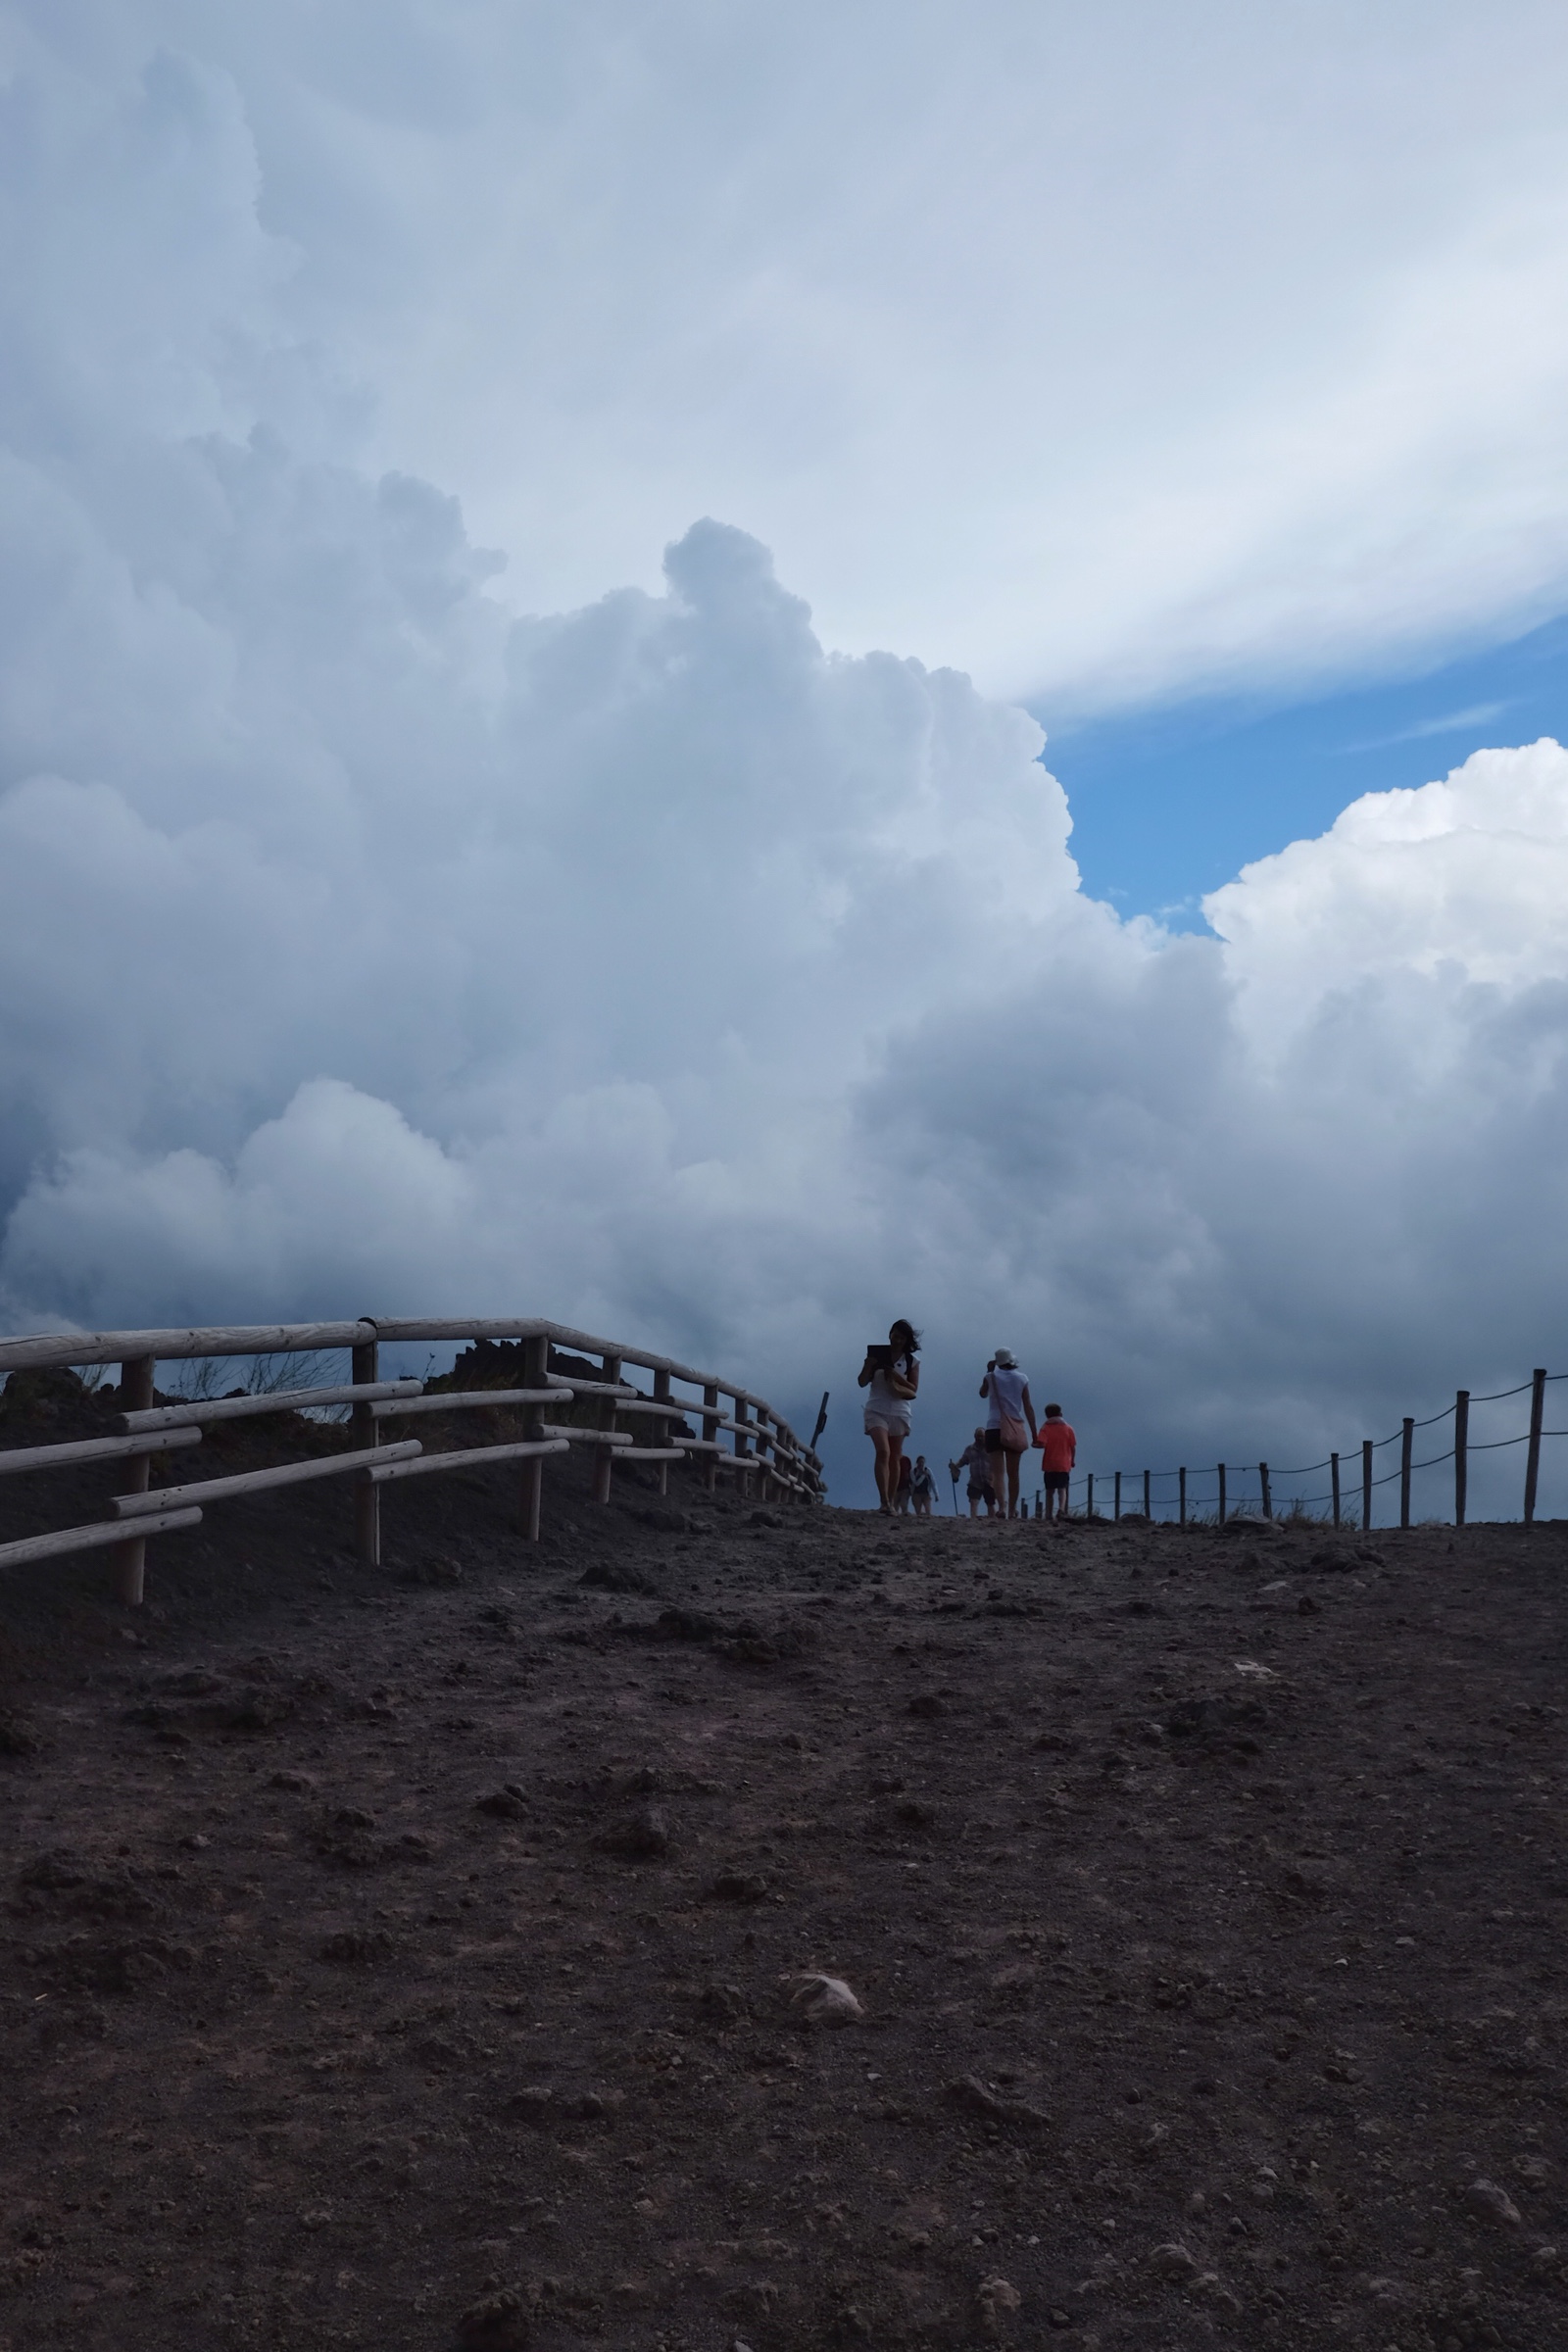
x,y
1005,1394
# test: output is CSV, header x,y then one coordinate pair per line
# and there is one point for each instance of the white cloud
x,y
363,946
1101,352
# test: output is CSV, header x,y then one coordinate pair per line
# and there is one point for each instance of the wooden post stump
x,y
711,1436
367,1494
1406,1443
131,1559
1538,1400
661,1428
604,1455
535,1375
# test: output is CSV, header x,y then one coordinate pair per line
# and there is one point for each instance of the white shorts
x,y
878,1416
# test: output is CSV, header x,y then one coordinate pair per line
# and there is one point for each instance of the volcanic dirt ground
x,y
422,1958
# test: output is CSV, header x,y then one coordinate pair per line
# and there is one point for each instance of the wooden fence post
x,y
1406,1442
1222,1494
1180,1491
131,1559
1461,1456
661,1428
710,1434
743,1449
1089,1506
1366,1484
1262,1480
604,1455
1149,1512
1115,1509
1537,1402
535,1375
1333,1479
366,1360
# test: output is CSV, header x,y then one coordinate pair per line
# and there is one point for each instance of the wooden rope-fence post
x,y
1115,1509
1406,1443
365,1361
1538,1403
535,1375
1181,1498
1461,1456
661,1428
743,1449
1334,1481
1222,1494
1366,1485
710,1434
1148,1509
1262,1480
1089,1505
131,1559
604,1455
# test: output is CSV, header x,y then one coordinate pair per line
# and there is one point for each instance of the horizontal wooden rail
x,y
469,1457
170,1347
279,1401
65,1540
92,1449
450,1401
256,1482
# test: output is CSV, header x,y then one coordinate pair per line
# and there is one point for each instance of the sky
x,y
725,672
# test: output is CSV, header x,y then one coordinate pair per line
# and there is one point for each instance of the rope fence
x,y
762,1454
1351,1474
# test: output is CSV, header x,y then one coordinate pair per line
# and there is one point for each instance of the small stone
x,y
1493,2204
824,2000
1173,2261
498,2323
642,1837
996,2301
507,1803
739,1886
927,1705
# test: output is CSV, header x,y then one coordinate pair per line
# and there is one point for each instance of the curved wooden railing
x,y
763,1450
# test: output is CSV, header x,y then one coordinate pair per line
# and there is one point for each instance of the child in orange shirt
x,y
1059,1449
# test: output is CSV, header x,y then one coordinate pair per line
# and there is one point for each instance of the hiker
x,y
1006,1437
905,1486
923,1487
892,1373
1059,1451
975,1459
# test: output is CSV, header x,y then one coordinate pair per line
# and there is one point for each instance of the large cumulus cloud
x,y
363,947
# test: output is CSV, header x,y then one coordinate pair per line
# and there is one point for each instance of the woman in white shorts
x,y
893,1375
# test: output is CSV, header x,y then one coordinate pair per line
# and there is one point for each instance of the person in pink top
x,y
1059,1451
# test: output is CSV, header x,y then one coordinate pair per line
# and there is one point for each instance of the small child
x,y
1059,1451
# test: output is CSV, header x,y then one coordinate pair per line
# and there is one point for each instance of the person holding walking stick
x,y
892,1373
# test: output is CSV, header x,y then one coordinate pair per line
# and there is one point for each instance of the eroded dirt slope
x,y
384,1950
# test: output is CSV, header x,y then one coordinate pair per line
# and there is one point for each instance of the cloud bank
x,y
1108,352
366,947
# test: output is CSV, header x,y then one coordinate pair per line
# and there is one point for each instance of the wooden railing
x,y
762,1454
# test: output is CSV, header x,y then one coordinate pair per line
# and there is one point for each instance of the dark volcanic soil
x,y
400,1960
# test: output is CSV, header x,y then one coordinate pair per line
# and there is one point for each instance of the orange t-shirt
x,y
1058,1445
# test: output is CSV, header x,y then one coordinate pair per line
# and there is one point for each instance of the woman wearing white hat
x,y
1010,1425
